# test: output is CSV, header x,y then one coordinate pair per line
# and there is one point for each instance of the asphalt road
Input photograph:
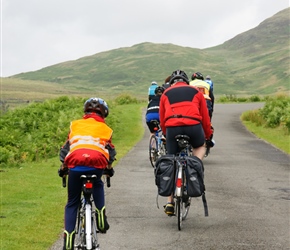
x,y
248,195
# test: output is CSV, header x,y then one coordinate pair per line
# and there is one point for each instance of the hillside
x,y
254,62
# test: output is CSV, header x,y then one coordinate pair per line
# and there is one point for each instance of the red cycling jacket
x,y
183,105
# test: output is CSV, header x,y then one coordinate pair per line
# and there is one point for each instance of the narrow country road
x,y
248,194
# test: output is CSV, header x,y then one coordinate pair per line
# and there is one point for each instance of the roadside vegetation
x,y
32,197
272,122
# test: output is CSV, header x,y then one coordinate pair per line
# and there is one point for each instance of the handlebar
x,y
64,181
108,181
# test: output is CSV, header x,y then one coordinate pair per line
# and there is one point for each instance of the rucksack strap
x,y
204,205
182,116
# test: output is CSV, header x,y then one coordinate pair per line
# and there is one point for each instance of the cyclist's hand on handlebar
x,y
63,170
210,143
109,172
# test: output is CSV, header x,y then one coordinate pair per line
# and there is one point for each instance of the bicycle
x,y
156,144
181,199
86,226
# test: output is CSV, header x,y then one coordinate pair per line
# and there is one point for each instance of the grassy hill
x,y
254,62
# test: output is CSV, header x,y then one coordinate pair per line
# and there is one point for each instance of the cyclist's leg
x,y
99,199
71,208
197,140
172,148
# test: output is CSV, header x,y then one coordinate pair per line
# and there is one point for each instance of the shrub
x,y
125,99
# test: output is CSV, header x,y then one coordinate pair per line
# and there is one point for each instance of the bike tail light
x,y
178,182
88,185
155,128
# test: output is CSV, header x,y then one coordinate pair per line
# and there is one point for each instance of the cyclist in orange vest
x,y
88,150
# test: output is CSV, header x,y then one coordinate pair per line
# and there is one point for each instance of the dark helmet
x,y
96,105
178,75
159,90
197,75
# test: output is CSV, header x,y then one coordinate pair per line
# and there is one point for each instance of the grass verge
x,y
32,197
275,136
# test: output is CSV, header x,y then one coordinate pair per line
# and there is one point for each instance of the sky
x,y
40,33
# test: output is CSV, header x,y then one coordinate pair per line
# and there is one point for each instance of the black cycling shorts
x,y
195,132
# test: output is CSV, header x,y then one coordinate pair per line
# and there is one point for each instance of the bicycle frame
x,y
182,201
86,230
156,145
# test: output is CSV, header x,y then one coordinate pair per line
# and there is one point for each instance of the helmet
x,y
197,75
208,77
159,89
178,75
96,105
153,83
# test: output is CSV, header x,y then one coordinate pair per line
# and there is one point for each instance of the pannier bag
x,y
164,175
194,177
195,180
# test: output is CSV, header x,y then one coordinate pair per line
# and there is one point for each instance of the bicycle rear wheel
x,y
96,245
153,150
185,207
80,237
179,210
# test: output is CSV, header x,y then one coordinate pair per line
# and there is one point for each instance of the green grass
x,y
277,136
32,197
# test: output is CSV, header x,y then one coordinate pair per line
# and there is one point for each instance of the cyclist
x,y
166,82
152,112
198,81
88,150
151,90
183,110
209,81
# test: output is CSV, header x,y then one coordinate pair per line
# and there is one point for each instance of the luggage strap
x,y
182,116
204,205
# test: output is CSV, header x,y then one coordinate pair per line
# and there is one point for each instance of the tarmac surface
x,y
247,190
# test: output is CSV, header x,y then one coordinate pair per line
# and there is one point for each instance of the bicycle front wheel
x,y
153,150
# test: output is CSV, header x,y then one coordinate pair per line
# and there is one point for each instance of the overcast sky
x,y
40,33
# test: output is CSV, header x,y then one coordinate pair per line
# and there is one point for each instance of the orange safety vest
x,y
89,134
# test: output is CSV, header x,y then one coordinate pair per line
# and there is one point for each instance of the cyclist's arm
x,y
64,151
112,154
162,114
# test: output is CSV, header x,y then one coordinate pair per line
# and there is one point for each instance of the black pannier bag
x,y
164,175
194,177
195,180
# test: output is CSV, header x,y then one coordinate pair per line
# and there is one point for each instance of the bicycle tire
x,y
153,150
80,231
96,245
179,212
185,208
185,198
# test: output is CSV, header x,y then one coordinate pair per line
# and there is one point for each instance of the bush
x,y
276,112
125,99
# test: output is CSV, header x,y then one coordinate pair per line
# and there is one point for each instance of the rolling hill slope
x,y
254,62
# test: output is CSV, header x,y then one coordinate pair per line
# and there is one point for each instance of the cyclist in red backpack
x,y
183,110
